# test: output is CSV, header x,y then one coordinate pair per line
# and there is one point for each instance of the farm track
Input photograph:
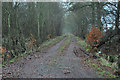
x,y
46,64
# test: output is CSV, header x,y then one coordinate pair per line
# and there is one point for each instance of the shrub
x,y
32,42
2,50
49,36
94,36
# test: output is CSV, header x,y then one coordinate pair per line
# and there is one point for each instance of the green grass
x,y
81,42
12,60
105,62
51,42
65,44
100,70
1,65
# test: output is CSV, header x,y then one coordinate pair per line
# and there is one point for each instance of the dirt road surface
x,y
46,64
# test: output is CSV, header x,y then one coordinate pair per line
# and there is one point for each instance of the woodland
x,y
29,27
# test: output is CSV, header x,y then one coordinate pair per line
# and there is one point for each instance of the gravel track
x,y
46,64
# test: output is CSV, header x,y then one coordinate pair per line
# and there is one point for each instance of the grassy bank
x,y
100,64
81,42
51,42
101,69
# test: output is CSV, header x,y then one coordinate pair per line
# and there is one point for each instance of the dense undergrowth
x,y
100,62
45,44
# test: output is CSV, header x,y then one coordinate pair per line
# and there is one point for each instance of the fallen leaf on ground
x,y
66,71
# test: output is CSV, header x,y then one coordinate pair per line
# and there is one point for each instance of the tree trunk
x,y
38,27
118,32
93,13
